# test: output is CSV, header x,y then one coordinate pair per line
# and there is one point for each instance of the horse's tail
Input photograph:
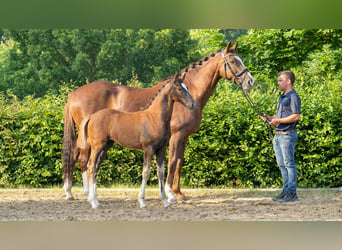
x,y
82,140
69,139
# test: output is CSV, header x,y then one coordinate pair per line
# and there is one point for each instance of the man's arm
x,y
290,119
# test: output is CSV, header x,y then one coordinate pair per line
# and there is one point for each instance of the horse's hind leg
x,y
160,155
145,176
68,185
69,160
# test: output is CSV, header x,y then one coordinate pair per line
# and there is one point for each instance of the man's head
x,y
286,80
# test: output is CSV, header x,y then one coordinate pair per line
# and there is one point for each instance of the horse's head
x,y
234,69
180,92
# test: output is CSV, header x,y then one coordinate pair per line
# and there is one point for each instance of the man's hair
x,y
289,74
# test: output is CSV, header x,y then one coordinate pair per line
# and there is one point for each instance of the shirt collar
x,y
288,93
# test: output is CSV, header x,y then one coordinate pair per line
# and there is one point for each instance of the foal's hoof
x,y
142,204
173,201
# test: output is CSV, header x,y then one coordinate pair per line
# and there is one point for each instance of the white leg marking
x,y
92,198
162,194
172,199
67,189
85,183
141,197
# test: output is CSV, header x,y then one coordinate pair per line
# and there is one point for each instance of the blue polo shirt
x,y
288,104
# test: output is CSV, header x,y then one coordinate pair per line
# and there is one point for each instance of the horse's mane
x,y
182,72
192,66
197,64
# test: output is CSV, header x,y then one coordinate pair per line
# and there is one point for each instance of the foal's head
x,y
180,92
234,69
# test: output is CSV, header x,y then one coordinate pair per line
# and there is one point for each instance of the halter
x,y
236,76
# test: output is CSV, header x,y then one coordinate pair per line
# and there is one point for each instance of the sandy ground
x,y
199,205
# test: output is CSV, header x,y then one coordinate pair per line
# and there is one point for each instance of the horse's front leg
x,y
145,176
160,156
176,155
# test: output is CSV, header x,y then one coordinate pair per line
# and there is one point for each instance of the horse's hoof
x,y
94,206
69,198
180,197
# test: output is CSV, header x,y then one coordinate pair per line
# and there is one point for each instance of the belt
x,y
285,132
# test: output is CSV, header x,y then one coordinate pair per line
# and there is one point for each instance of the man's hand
x,y
274,122
266,117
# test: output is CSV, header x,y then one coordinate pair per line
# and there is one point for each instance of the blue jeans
x,y
284,148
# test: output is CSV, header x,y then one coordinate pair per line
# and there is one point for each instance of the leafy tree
x,y
233,34
42,60
1,34
272,50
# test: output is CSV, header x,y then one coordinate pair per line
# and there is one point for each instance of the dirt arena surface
x,y
199,205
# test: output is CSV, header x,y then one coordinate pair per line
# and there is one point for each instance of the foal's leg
x,y
96,158
93,167
83,159
145,176
160,155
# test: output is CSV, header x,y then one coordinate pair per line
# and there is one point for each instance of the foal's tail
x,y
82,140
69,139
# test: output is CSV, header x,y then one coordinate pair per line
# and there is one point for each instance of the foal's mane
x,y
157,94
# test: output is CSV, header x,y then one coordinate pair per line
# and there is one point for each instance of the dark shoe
x,y
279,196
289,197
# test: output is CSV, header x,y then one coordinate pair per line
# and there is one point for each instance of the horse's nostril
x,y
250,83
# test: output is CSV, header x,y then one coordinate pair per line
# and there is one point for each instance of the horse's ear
x,y
227,49
175,78
235,47
179,77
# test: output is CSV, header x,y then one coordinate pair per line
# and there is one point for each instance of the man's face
x,y
284,83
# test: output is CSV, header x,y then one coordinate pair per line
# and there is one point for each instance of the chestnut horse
x,y
147,130
201,79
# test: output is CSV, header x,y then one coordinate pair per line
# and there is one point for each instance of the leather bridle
x,y
236,76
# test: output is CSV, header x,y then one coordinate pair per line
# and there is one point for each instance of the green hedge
x,y
30,140
231,149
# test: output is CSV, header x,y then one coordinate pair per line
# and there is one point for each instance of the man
x,y
285,139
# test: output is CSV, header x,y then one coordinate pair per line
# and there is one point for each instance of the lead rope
x,y
249,100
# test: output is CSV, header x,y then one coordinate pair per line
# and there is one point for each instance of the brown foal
x,y
147,130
